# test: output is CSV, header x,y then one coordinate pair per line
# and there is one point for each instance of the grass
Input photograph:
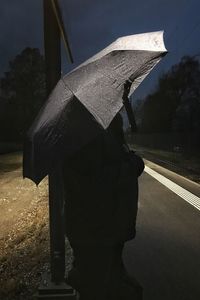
x,y
185,164
24,235
6,147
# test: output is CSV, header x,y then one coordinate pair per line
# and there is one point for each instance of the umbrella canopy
x,y
85,101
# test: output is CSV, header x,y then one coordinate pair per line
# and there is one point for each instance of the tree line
x,y
22,93
175,105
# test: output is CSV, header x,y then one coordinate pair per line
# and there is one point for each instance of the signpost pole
x,y
54,285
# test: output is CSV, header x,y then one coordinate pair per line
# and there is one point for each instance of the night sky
x,y
93,24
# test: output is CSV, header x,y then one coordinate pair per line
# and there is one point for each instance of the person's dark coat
x,y
101,192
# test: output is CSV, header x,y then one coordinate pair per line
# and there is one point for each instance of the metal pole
x,y
51,46
53,73
61,26
55,286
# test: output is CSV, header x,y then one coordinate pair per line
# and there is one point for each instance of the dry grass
x,y
24,236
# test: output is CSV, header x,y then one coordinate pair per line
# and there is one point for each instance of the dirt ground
x,y
24,234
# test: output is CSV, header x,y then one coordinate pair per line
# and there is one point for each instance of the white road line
x,y
178,190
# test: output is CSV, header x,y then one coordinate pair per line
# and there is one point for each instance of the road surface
x,y
165,255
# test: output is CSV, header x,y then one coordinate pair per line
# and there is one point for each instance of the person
x,y
101,184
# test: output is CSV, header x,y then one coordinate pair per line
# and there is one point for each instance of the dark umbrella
x,y
85,101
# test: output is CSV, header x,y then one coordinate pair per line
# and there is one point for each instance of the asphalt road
x,y
165,255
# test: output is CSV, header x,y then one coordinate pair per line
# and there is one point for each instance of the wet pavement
x,y
165,256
